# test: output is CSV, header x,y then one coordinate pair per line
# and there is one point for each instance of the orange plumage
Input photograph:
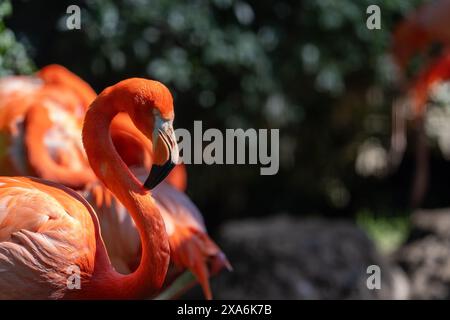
x,y
190,244
46,227
43,120
436,71
427,25
40,128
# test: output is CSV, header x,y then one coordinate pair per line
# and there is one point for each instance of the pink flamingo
x,y
45,228
191,247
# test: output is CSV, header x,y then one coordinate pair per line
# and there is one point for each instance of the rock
x,y
426,255
289,258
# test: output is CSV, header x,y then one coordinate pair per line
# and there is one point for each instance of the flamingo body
x,y
44,229
190,246
40,127
42,135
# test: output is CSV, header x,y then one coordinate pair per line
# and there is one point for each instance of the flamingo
x,y
53,75
40,126
436,71
190,246
423,27
45,227
57,74
66,88
427,25
177,178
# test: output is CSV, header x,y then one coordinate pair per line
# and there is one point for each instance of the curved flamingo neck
x,y
126,136
112,171
37,123
131,144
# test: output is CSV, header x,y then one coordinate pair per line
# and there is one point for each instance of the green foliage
x,y
387,232
13,58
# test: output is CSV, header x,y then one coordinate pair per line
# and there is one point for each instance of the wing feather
x,y
43,231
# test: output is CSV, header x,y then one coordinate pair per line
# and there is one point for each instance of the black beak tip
x,y
158,174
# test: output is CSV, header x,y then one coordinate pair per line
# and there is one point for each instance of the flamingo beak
x,y
165,152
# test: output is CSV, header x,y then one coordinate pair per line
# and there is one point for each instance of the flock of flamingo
x,y
74,192
74,189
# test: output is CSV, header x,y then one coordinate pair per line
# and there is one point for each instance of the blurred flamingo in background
x,y
178,177
53,76
421,29
59,75
46,228
438,70
190,246
40,126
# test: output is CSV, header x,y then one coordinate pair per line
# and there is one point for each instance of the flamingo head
x,y
54,73
153,115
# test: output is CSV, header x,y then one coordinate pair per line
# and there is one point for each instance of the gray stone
x,y
426,255
289,258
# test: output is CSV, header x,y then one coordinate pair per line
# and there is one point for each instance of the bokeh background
x,y
310,68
